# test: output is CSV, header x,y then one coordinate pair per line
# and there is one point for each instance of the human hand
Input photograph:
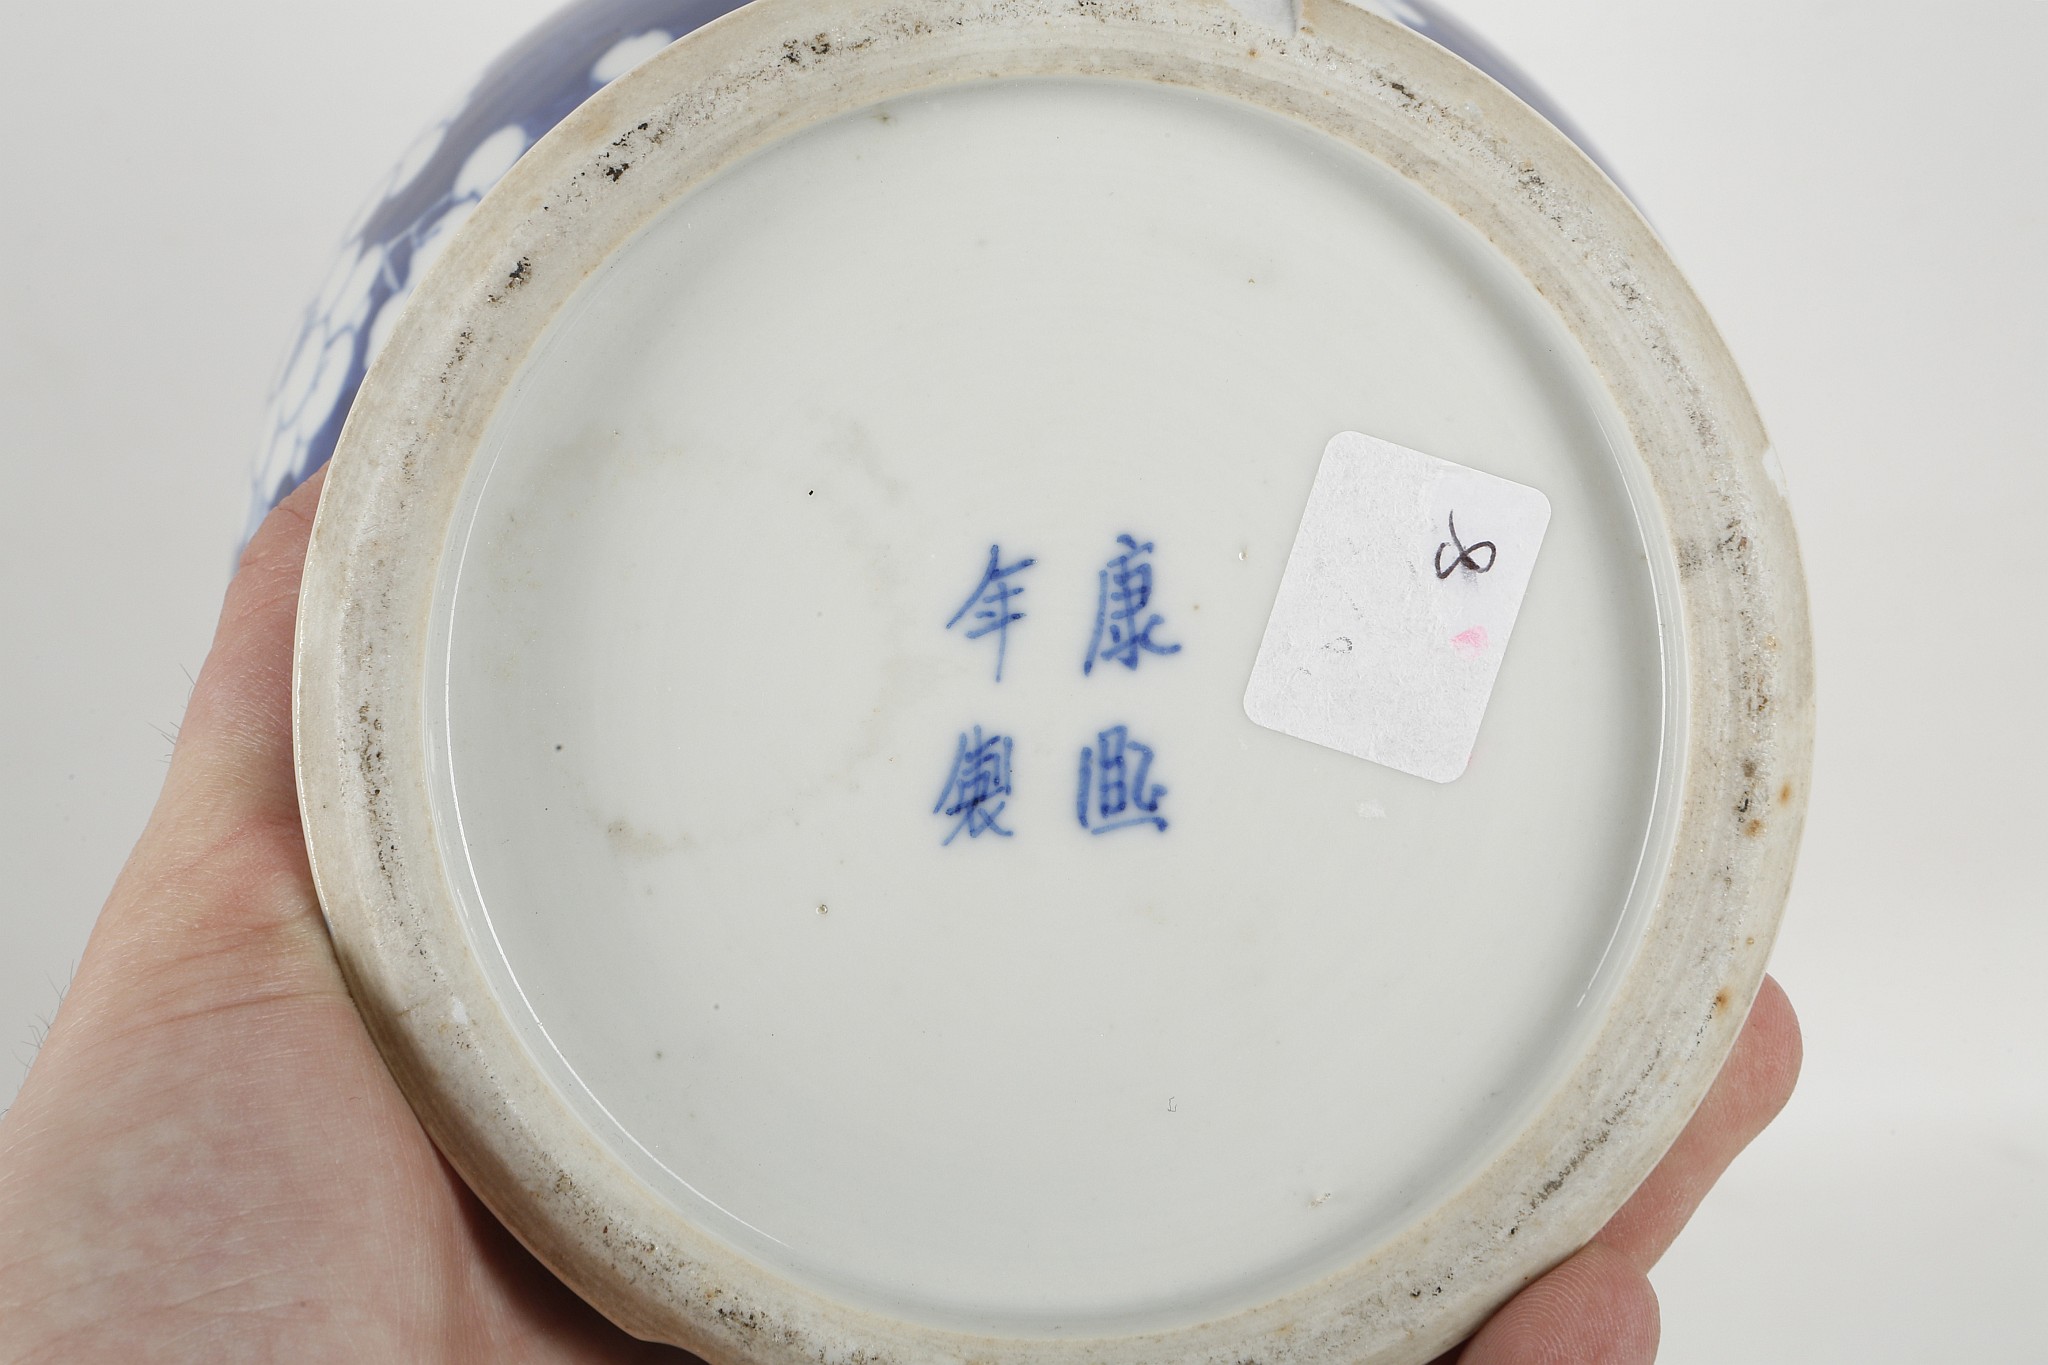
x,y
1597,1308
209,1161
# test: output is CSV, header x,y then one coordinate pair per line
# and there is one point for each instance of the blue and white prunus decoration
x,y
439,182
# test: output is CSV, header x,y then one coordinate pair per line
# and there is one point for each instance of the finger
x,y
1753,1086
1601,1299
215,905
234,753
1595,1309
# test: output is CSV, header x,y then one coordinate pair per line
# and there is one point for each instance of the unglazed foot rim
x,y
778,66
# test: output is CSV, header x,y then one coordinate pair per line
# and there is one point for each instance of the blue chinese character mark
x,y
990,602
1123,631
973,793
1113,793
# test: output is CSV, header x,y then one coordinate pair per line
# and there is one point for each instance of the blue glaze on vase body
x,y
527,91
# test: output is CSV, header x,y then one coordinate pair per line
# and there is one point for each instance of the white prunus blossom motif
x,y
409,221
628,53
352,318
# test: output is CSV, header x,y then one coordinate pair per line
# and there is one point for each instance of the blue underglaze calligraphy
x,y
976,791
1123,620
1115,792
990,604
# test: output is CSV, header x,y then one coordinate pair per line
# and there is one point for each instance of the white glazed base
x,y
1098,1139
701,692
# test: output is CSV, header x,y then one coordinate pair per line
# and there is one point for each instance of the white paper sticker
x,y
1396,606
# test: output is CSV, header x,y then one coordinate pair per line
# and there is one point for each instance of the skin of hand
x,y
209,1161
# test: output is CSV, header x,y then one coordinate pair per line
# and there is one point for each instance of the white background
x,y
1855,189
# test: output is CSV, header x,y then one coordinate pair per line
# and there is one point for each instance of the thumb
x,y
233,761
215,905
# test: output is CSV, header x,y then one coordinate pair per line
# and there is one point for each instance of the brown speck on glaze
x,y
631,840
1691,558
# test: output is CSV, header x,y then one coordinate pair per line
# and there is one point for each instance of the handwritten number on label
x,y
1464,557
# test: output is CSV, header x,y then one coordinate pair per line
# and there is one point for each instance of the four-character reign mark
x,y
1116,791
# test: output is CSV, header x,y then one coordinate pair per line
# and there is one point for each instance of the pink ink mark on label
x,y
1470,644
